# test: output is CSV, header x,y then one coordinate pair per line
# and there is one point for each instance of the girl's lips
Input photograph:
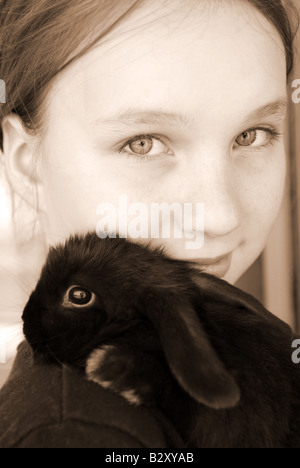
x,y
217,267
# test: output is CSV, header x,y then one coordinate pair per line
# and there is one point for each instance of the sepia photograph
x,y
149,226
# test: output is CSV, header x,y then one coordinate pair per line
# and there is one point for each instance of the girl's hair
x,y
39,38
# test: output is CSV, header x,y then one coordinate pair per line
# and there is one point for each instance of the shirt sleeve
x,y
77,434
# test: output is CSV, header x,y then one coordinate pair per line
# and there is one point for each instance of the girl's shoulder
x,y
47,406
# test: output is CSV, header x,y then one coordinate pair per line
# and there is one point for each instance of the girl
x,y
161,102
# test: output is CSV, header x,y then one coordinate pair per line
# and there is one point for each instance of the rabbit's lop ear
x,y
218,290
190,356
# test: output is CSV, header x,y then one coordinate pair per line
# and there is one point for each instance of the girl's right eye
x,y
145,148
79,297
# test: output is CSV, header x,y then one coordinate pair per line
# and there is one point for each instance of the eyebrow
x,y
130,117
275,109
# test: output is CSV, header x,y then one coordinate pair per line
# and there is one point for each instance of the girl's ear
x,y
189,353
20,161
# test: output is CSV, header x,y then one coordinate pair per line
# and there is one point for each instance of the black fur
x,y
209,356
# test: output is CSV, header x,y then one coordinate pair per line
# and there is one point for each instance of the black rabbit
x,y
161,333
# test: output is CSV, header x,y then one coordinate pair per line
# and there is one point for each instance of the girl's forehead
x,y
166,20
180,54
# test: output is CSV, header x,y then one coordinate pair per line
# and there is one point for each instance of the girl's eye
x,y
141,146
145,146
256,138
78,297
247,138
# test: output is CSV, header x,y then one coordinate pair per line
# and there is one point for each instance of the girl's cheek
x,y
262,178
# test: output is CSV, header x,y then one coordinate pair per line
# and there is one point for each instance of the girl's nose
x,y
215,183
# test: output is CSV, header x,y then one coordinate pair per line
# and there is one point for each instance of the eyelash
x,y
140,158
274,134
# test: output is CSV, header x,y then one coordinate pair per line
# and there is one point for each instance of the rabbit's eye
x,y
77,296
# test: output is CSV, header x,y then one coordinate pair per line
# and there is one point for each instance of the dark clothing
x,y
46,406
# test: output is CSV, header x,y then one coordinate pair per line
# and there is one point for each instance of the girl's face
x,y
176,105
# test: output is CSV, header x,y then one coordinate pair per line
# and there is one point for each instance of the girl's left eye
x,y
256,138
145,146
